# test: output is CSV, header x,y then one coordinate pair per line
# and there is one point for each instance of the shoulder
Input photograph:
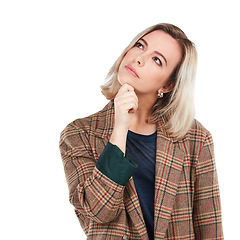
x,y
94,124
197,131
197,137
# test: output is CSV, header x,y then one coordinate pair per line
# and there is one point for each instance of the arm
x,y
207,208
126,104
94,191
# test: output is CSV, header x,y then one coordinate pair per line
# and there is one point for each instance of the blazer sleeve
x,y
93,194
207,208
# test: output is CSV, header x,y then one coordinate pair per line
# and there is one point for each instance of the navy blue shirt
x,y
142,150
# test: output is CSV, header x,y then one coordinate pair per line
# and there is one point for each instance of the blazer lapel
x,y
169,161
134,210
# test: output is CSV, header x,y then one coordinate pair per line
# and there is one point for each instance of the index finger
x,y
126,87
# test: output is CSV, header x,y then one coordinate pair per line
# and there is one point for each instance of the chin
x,y
124,79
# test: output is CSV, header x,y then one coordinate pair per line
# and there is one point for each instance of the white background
x,y
54,55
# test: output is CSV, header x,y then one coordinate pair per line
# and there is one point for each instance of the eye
x,y
139,45
157,60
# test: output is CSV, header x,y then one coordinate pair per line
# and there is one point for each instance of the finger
x,y
123,101
132,109
128,105
127,95
126,88
125,92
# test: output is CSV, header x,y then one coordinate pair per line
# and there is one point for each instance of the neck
x,y
139,122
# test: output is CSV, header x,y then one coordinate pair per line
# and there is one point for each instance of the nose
x,y
140,60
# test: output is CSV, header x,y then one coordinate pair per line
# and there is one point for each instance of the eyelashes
x,y
155,59
139,45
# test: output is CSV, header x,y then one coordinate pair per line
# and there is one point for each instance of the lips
x,y
131,70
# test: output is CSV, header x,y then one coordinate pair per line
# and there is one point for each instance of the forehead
x,y
164,43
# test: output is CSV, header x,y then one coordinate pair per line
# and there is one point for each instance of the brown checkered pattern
x,y
187,202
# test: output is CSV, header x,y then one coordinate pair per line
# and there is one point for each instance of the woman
x,y
143,168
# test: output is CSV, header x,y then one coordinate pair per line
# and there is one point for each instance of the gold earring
x,y
160,95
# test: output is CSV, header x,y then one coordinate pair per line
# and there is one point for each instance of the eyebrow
x,y
160,54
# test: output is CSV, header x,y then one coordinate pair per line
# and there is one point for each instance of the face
x,y
148,65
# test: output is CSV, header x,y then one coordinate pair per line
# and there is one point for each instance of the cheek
x,y
155,75
120,71
129,56
121,76
158,78
120,79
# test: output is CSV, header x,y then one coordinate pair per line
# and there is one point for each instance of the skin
x,y
139,92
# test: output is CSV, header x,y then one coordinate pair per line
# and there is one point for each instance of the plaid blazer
x,y
187,201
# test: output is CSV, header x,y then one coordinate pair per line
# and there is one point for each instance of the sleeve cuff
x,y
115,166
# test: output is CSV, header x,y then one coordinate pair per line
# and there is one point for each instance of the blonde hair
x,y
176,108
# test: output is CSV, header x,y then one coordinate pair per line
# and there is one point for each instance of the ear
x,y
167,88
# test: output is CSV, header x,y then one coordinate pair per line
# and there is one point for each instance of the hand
x,y
125,103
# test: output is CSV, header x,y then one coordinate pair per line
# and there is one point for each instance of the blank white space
x,y
54,55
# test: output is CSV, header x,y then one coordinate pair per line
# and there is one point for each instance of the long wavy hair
x,y
177,106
